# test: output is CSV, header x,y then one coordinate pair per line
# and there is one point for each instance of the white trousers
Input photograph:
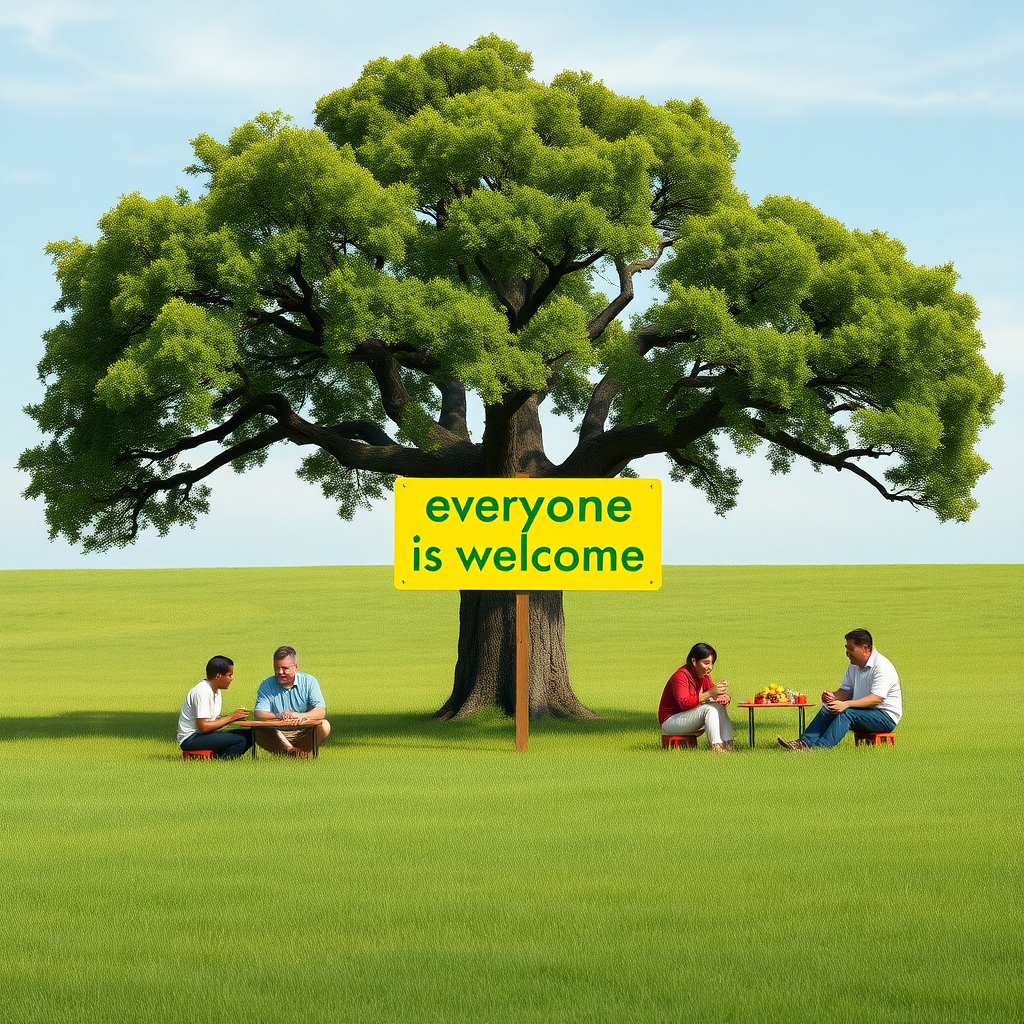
x,y
710,717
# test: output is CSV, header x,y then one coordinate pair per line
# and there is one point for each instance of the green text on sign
x,y
525,534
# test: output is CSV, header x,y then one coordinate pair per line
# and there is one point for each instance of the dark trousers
x,y
827,728
226,743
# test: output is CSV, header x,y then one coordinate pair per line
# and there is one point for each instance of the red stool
x,y
675,742
199,755
876,739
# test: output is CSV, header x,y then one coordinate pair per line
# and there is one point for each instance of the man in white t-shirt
x,y
868,699
200,723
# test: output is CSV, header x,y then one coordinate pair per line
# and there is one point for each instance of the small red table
x,y
800,708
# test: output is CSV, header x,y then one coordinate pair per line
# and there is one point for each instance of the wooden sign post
x,y
522,662
522,670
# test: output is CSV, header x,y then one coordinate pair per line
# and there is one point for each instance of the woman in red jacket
x,y
692,703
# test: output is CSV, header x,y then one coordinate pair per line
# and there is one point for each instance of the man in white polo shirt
x,y
868,699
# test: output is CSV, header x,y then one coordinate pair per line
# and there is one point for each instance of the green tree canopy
x,y
449,229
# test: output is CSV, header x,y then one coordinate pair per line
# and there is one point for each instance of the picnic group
x,y
289,698
867,700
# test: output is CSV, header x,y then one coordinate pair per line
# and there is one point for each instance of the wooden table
x,y
285,726
801,710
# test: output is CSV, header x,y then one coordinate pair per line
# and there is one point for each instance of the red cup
x,y
802,699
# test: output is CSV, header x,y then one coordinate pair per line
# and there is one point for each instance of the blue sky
x,y
902,116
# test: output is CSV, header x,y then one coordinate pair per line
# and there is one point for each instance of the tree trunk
x,y
485,673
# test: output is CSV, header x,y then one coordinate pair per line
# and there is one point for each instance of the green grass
x,y
422,871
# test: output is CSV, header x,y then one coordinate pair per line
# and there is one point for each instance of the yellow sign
x,y
524,534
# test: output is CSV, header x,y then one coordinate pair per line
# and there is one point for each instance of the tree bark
x,y
485,673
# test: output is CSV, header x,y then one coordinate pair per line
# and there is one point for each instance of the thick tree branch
x,y
453,409
186,479
500,294
363,430
453,392
606,453
600,405
413,359
650,337
357,444
457,459
839,461
384,367
599,323
275,318
308,308
607,387
397,401
537,294
273,404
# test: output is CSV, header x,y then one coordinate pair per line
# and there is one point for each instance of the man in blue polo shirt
x,y
290,697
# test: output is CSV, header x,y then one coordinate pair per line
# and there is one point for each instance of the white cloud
x,y
39,22
789,71
61,63
785,63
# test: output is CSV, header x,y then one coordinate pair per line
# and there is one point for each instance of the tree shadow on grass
x,y
120,725
489,729
387,730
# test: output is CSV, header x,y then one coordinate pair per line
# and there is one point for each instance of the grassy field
x,y
423,871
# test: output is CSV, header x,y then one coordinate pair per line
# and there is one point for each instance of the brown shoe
x,y
793,744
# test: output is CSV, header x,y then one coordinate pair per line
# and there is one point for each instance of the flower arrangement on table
x,y
776,694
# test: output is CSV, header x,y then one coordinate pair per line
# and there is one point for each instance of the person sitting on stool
x,y
868,699
200,721
691,703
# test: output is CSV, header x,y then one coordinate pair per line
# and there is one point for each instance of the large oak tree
x,y
453,229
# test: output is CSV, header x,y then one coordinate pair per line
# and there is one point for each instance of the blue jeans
x,y
226,743
827,728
